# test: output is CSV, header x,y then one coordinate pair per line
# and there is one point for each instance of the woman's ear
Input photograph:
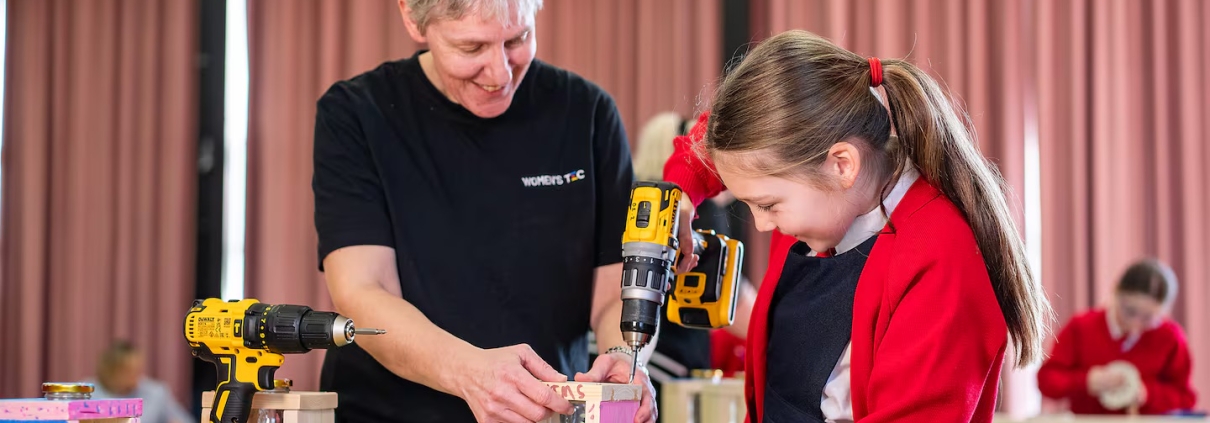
x,y
843,163
413,28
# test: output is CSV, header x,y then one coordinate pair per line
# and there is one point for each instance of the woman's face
x,y
479,62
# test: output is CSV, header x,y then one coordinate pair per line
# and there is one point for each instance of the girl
x,y
897,277
1133,328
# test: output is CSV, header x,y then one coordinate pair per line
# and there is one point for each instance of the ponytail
x,y
936,140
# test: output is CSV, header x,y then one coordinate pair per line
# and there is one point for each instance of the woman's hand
x,y
505,385
615,368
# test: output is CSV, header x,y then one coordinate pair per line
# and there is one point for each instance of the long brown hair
x,y
797,94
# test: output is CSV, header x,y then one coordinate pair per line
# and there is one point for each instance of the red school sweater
x,y
928,336
1160,354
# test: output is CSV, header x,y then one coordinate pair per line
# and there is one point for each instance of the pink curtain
x,y
651,56
99,188
298,50
1122,124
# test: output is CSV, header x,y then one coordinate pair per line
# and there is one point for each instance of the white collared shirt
x,y
1115,331
836,402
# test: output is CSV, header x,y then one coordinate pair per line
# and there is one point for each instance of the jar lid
x,y
706,373
282,383
67,387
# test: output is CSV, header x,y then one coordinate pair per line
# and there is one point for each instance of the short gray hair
x,y
426,11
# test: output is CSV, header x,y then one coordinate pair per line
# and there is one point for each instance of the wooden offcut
x,y
601,402
297,407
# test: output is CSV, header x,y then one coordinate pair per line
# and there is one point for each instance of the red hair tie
x,y
875,72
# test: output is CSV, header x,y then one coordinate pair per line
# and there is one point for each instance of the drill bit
x,y
369,331
634,363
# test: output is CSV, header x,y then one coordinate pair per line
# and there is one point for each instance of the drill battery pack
x,y
705,296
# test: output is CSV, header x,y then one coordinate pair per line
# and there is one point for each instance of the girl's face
x,y
817,210
1136,312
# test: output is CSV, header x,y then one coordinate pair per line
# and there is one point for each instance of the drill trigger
x,y
264,378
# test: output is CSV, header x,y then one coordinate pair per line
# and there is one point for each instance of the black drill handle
x,y
233,396
234,400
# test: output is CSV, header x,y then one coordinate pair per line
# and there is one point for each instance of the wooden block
x,y
73,410
723,402
677,400
297,407
308,416
300,400
598,402
290,416
586,391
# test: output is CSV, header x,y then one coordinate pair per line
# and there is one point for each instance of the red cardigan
x,y
928,335
1160,354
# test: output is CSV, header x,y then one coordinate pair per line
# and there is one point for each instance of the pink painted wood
x,y
41,409
601,402
618,411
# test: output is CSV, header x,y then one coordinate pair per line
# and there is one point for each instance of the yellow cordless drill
x,y
704,297
246,338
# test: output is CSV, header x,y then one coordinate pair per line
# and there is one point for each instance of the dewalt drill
x,y
704,297
246,338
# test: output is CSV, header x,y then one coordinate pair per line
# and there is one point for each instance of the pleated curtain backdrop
x,y
651,56
299,49
1122,136
100,177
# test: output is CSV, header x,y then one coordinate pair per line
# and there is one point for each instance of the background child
x,y
1134,328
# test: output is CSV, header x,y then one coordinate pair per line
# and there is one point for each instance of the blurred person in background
x,y
120,374
1134,327
694,348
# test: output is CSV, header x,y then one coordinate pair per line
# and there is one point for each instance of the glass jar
x,y
713,375
67,391
577,415
270,415
705,375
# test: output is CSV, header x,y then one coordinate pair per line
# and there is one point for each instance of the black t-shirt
x,y
497,224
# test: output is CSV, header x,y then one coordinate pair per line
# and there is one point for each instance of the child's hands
x,y
1101,379
1142,398
685,235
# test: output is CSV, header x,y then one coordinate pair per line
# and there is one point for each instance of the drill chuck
x,y
640,320
287,329
646,276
